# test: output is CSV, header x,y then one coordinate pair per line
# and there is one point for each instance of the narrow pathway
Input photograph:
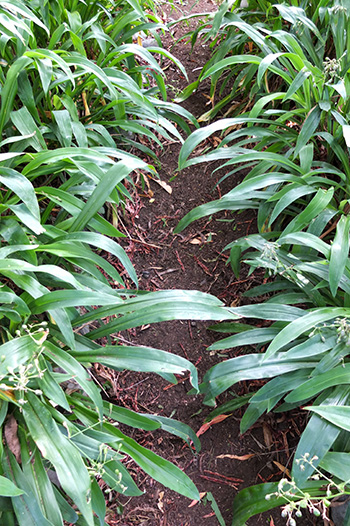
x,y
193,260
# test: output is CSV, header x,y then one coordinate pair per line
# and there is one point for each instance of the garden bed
x,y
193,260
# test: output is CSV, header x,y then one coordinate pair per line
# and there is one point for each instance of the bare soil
x,y
193,259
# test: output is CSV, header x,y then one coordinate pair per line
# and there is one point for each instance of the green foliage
x,y
288,67
77,93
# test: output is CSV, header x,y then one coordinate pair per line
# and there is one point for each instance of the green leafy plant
x,y
77,92
292,136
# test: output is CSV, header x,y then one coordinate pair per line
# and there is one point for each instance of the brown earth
x,y
192,260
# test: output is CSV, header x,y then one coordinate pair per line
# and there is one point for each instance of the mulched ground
x,y
192,260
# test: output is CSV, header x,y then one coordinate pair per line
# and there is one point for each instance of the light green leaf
x,y
142,359
60,451
303,325
339,253
80,375
8,488
252,501
103,190
337,415
308,129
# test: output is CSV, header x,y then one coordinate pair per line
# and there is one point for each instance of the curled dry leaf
x,y
11,437
238,457
284,470
194,502
160,502
267,435
164,185
207,425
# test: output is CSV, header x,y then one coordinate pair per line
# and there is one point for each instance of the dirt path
x,y
192,260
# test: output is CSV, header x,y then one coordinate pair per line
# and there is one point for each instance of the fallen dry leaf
x,y
207,425
160,502
194,502
11,437
235,302
238,457
267,435
282,468
164,185
195,241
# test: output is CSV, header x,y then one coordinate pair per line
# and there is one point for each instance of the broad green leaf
x,y
73,367
281,384
254,412
17,303
103,190
307,240
26,125
51,388
268,312
54,271
60,451
23,214
158,468
200,135
288,198
318,203
103,242
177,428
346,134
230,61
26,506
68,514
17,352
36,475
298,81
45,69
318,436
252,501
8,488
9,89
223,375
18,7
155,307
267,61
337,415
71,298
337,463
73,205
119,479
312,346
303,325
142,359
128,417
246,338
308,129
82,256
64,126
22,188
98,502
339,253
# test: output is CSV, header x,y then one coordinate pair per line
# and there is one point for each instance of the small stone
x,y
193,324
145,274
